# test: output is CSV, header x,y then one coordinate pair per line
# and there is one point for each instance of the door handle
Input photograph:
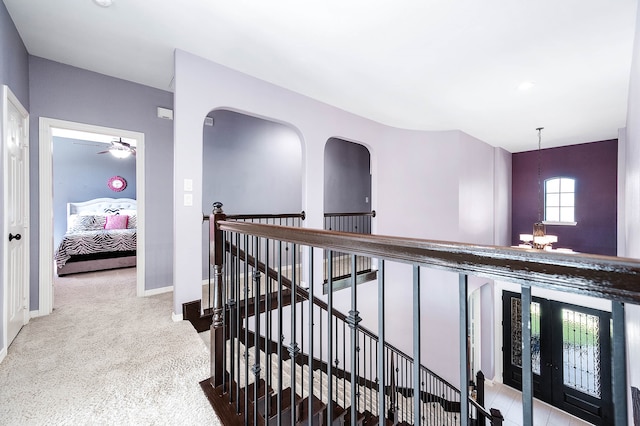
x,y
14,237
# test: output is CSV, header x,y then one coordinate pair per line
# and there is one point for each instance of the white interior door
x,y
16,216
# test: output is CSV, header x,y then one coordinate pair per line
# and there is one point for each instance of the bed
x,y
101,234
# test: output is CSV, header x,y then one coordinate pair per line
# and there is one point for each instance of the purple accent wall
x,y
594,166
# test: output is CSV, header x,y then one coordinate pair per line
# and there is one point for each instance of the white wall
x,y
631,170
420,181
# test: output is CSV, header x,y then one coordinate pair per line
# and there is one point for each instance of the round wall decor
x,y
117,183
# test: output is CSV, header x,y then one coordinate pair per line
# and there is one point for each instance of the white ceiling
x,y
417,64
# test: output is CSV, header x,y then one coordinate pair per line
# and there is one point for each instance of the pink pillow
x,y
116,221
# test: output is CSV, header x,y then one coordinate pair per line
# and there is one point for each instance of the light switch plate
x,y
188,199
188,184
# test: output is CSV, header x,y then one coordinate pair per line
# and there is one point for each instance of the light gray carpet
x,y
105,357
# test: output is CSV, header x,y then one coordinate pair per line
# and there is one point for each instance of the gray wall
x,y
14,72
14,59
63,92
80,174
265,160
347,177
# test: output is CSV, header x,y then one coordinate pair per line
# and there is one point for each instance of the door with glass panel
x,y
571,355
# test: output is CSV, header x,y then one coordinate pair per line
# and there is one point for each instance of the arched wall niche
x,y
251,164
347,176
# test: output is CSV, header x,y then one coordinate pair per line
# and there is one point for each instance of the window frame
x,y
560,206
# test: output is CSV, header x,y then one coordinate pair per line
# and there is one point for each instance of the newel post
x,y
216,259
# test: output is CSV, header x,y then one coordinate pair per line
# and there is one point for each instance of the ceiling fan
x,y
120,149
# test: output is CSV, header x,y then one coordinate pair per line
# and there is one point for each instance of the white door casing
x,y
15,258
46,269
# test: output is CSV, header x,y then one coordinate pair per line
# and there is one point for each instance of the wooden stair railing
x,y
609,278
247,309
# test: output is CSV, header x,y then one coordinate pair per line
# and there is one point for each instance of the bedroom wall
x,y
67,93
250,165
347,177
79,174
595,167
14,72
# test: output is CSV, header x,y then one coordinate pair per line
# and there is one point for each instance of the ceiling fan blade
x,y
102,152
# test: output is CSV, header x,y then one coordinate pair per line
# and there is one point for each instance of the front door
x,y
16,214
570,355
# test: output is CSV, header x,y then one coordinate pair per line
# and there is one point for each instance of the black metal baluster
x,y
382,367
246,326
280,335
225,302
417,319
464,353
353,320
256,337
267,319
238,322
311,335
232,319
344,364
320,351
619,370
293,347
527,374
330,338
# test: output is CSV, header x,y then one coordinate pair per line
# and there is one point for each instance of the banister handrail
x,y
302,215
610,277
372,213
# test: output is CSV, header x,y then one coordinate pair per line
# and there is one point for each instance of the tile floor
x,y
509,402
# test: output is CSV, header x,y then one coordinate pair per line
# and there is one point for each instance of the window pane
x,y
552,185
567,199
567,185
553,200
516,334
566,214
581,351
552,214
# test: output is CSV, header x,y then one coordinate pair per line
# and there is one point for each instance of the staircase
x,y
330,371
267,397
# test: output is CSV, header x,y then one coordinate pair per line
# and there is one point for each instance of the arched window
x,y
560,200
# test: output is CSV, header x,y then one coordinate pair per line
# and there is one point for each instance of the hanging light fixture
x,y
539,239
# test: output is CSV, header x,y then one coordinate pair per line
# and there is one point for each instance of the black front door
x,y
570,355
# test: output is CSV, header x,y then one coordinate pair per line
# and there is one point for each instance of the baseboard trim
x,y
3,354
156,291
176,317
35,314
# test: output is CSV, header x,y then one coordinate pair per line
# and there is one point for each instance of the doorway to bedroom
x,y
84,168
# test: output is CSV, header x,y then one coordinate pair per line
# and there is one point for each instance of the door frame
x,y
46,203
9,97
548,386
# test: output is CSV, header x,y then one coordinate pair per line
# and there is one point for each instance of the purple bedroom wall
x,y
594,166
68,93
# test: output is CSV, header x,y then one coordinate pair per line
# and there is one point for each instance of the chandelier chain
x,y
540,201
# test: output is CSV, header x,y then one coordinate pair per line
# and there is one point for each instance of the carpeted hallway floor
x,y
105,357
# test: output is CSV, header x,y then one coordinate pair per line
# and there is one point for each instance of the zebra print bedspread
x,y
90,242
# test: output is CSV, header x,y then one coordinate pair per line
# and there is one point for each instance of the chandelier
x,y
539,239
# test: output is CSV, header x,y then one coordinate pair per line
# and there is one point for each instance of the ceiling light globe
x,y
103,3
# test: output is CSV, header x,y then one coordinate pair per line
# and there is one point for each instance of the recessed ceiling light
x,y
526,85
103,3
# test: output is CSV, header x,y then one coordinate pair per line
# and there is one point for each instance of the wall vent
x,y
165,113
